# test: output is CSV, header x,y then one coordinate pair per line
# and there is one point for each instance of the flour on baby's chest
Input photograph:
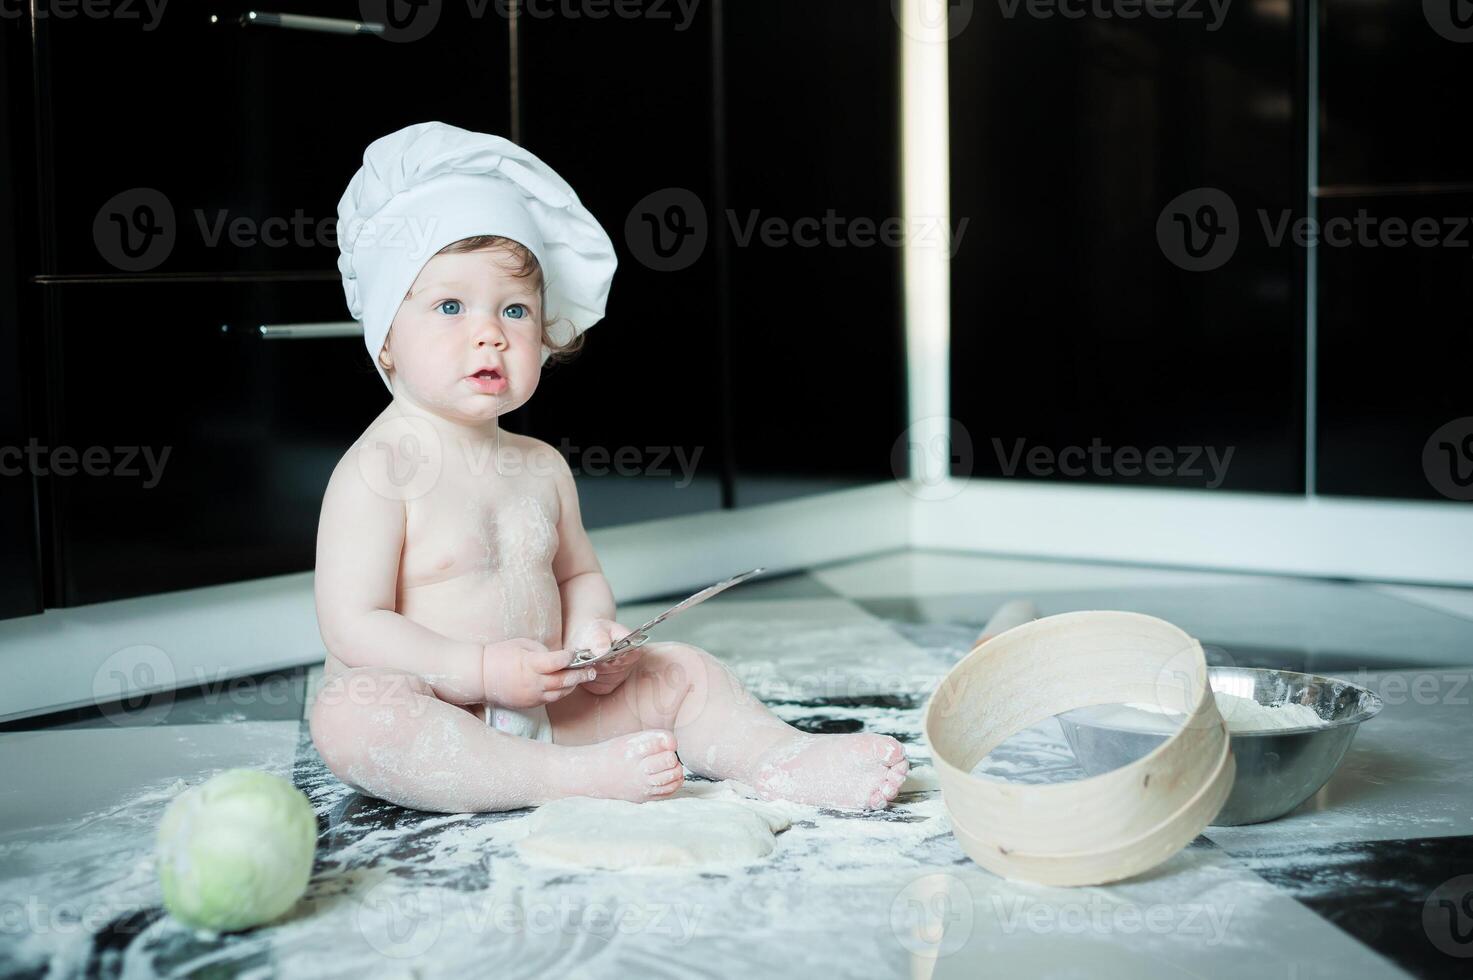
x,y
516,540
516,535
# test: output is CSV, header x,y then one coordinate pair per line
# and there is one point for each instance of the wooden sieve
x,y
1094,830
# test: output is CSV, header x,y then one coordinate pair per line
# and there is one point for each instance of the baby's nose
x,y
488,334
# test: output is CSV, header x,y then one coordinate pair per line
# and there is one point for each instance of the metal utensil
x,y
1277,770
640,635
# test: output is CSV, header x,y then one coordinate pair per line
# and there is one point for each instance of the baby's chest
x,y
512,531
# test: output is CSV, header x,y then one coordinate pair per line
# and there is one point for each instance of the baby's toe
x,y
651,743
888,751
666,782
660,761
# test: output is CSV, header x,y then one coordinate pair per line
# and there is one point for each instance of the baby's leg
x,y
723,732
384,733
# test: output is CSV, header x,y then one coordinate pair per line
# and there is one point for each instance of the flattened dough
x,y
682,832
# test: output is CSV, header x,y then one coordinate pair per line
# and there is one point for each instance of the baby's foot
x,y
634,767
860,771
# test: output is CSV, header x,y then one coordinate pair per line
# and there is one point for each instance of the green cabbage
x,y
236,851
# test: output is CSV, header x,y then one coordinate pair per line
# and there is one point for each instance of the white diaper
x,y
530,723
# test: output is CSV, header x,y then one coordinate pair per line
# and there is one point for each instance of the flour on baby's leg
x,y
860,771
724,732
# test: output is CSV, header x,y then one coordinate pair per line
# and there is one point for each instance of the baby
x,y
454,577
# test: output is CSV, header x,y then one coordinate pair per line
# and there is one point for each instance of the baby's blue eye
x,y
517,311
450,302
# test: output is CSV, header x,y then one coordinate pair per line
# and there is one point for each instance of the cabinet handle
x,y
303,22
310,331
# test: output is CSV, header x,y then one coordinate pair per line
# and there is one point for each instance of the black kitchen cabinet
x,y
211,446
1395,312
190,143
1403,122
816,362
1080,147
198,451
638,412
20,547
201,188
1396,342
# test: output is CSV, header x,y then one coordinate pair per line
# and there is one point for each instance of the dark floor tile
x,y
1410,900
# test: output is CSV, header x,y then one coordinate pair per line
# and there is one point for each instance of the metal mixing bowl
x,y
1277,770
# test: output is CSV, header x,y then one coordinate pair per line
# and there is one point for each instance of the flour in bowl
x,y
1241,714
1247,715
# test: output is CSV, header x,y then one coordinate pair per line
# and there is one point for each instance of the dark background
x,y
780,369
787,110
1070,138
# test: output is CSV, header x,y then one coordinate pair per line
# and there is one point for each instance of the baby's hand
x,y
598,636
522,673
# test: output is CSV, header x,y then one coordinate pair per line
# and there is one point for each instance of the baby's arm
x,y
587,600
359,540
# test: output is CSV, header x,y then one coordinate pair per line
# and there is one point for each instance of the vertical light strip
x,y
1311,256
926,206
514,68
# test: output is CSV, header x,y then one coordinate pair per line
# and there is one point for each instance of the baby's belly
x,y
481,608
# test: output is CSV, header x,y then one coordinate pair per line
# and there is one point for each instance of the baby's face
x,y
467,341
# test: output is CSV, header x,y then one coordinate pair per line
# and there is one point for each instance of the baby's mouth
x,y
488,380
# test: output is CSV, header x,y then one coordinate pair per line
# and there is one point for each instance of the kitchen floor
x,y
1371,877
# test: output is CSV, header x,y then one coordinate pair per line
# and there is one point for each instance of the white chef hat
x,y
431,184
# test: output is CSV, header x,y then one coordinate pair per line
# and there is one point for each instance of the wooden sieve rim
x,y
1093,830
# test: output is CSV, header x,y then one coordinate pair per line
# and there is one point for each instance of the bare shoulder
x,y
395,459
543,456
